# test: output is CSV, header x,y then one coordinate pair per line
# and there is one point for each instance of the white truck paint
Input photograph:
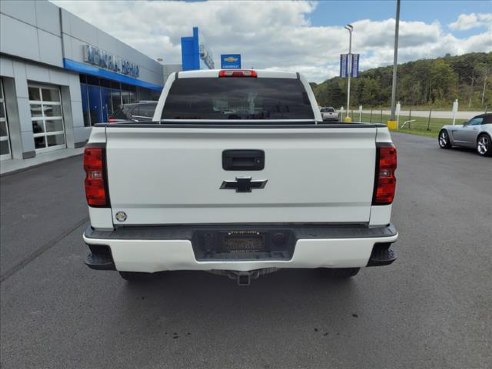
x,y
166,179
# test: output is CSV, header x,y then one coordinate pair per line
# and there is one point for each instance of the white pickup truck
x,y
238,175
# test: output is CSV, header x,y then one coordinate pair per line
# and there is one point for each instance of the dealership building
x,y
59,76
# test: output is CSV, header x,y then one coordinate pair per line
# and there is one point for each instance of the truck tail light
x,y
385,180
96,191
237,73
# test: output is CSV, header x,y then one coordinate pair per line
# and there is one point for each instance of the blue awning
x,y
102,73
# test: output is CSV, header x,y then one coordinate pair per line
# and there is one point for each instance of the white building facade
x,y
59,76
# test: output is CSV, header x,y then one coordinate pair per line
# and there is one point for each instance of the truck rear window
x,y
237,98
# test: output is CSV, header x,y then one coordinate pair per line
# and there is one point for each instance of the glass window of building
x,y
4,127
85,104
128,94
104,100
47,118
115,100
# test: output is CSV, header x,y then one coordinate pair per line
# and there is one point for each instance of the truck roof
x,y
214,73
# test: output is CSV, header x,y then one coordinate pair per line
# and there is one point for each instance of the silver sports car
x,y
476,133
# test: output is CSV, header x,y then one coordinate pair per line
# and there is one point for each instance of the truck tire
x,y
339,273
134,276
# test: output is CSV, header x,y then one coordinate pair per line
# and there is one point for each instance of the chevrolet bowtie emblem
x,y
243,184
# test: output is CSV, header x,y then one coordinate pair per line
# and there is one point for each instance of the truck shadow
x,y
201,301
191,314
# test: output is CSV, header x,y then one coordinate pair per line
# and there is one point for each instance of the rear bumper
x,y
155,249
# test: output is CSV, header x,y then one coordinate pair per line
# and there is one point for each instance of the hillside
x,y
428,82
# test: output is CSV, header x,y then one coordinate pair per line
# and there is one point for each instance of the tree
x,y
484,69
443,81
370,92
437,81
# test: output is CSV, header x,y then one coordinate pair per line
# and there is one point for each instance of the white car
x,y
329,113
475,133
236,175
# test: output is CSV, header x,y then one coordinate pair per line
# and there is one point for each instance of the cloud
x,y
469,21
272,35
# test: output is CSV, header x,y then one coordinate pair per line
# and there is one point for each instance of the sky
x,y
303,36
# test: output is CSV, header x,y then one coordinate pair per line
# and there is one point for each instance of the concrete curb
x,y
20,165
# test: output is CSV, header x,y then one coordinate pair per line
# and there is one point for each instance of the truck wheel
x,y
444,142
134,276
484,147
339,273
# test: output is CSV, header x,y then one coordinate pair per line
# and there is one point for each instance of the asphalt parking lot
x,y
431,309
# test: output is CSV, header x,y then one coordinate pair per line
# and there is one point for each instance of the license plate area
x,y
243,244
244,241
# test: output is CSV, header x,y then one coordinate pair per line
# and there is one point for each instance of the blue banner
x,y
343,65
355,65
230,61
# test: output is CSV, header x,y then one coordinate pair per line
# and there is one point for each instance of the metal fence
x,y
411,119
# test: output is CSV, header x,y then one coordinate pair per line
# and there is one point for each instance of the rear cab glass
x,y
237,99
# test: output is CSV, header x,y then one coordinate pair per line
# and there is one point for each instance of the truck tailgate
x,y
166,175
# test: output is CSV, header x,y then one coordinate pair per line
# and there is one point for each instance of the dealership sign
x,y
102,59
230,61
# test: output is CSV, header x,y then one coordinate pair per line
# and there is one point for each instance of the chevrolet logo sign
x,y
243,184
230,59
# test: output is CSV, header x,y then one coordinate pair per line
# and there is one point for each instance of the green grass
x,y
420,126
418,133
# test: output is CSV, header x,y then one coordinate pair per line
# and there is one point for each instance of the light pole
x,y
395,64
349,28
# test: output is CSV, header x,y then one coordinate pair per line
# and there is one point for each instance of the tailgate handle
x,y
243,159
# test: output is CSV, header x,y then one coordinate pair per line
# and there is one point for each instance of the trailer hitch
x,y
244,279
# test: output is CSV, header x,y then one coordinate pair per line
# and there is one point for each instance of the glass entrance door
x,y
47,118
4,128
